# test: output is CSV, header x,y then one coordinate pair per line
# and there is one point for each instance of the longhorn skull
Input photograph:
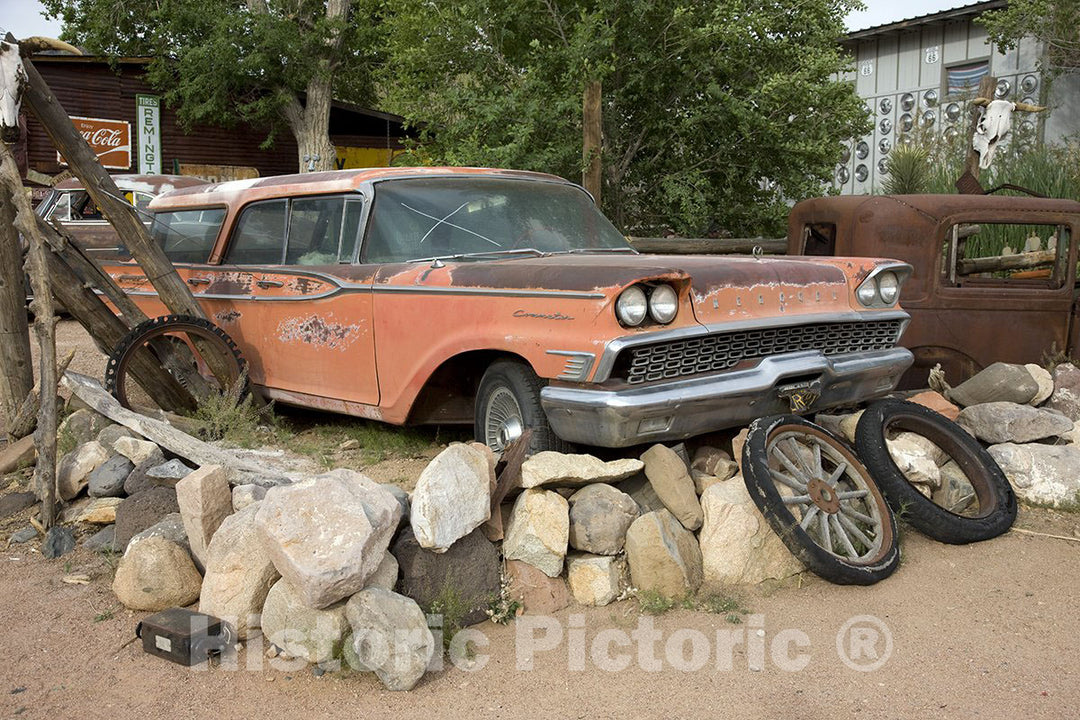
x,y
994,125
13,78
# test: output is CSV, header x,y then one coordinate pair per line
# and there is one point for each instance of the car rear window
x,y
187,236
439,217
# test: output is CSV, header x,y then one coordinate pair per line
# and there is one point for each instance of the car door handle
x,y
198,281
269,283
133,278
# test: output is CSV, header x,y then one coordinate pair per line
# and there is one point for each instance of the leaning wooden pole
x,y
102,189
45,329
16,368
592,139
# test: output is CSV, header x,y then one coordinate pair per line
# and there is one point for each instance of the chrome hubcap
x,y
503,422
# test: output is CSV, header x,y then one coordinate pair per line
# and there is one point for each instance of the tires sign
x,y
148,125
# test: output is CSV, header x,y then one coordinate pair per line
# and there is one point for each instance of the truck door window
x,y
1007,254
314,231
819,239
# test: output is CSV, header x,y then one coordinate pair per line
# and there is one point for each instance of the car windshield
x,y
483,218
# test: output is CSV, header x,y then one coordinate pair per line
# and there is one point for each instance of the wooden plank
x,y
998,263
16,371
708,246
20,453
509,479
201,453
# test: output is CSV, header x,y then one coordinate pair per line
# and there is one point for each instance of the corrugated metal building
x,y
105,99
919,71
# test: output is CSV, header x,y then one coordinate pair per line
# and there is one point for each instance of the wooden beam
x,y
998,263
708,246
16,370
592,139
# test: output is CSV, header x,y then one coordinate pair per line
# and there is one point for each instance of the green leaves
x,y
715,114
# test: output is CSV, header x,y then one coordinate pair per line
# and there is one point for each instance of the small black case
x,y
184,636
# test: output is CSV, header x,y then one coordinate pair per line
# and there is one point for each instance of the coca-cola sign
x,y
109,139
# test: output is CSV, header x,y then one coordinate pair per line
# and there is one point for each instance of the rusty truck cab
x,y
994,276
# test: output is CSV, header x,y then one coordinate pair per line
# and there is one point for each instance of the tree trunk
x,y
16,370
592,139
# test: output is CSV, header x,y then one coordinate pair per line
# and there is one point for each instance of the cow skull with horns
x,y
994,125
13,78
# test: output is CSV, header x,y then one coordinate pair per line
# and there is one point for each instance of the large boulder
x,y
663,555
1042,474
916,461
599,518
466,575
1066,396
156,574
554,469
596,579
670,478
1003,422
1000,382
111,433
537,593
539,530
137,450
316,636
738,547
327,535
390,637
139,479
107,480
142,510
239,573
452,497
170,527
82,426
205,501
73,470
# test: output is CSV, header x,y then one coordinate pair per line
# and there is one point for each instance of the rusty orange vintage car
x,y
506,299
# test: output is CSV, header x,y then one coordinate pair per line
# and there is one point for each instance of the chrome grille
x,y
722,351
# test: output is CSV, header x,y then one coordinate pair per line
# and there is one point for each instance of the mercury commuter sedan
x,y
506,299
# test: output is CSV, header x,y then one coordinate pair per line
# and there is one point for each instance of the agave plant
x,y
909,171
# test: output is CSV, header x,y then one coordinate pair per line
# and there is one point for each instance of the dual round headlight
x,y
882,289
637,302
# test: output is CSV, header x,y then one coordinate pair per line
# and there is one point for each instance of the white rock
x,y
328,534
1045,381
1002,422
452,497
670,478
316,636
245,495
205,501
390,637
596,579
239,574
539,530
551,468
134,449
914,462
738,546
73,470
663,555
1042,474
386,575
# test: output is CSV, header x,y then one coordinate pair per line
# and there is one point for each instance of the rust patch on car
x,y
227,316
314,330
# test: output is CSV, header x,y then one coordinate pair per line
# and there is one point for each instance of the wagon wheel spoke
x,y
852,494
837,474
859,535
844,539
813,511
797,500
787,480
856,515
788,465
819,471
826,534
797,454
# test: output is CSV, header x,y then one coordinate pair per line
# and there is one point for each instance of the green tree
x,y
715,115
1055,23
272,62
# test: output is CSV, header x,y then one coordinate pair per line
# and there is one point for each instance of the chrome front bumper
x,y
680,409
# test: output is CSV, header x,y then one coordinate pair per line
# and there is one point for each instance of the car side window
x,y
62,209
1006,254
350,229
314,230
187,236
259,236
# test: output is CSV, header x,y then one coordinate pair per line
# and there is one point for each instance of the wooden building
x,y
133,132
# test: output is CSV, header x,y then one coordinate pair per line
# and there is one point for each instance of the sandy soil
x,y
986,630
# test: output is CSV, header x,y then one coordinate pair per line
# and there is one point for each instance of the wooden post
x,y
987,86
16,371
102,189
592,139
45,329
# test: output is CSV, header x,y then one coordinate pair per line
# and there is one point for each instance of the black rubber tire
x,y
997,501
525,386
763,491
116,369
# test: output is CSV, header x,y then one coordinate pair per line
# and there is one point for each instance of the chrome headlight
x,y
663,304
632,306
867,292
888,286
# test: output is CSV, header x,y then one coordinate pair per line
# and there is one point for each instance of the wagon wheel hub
x,y
824,496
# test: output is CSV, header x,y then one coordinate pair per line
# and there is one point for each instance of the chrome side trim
x,y
607,360
578,365
416,289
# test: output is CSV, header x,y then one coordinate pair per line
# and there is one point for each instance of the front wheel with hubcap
x,y
507,402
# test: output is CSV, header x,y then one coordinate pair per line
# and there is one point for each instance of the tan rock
x,y
596,580
848,426
205,501
737,444
1045,381
100,511
539,530
316,636
551,468
663,555
738,546
156,574
134,449
670,478
936,402
73,470
537,593
452,496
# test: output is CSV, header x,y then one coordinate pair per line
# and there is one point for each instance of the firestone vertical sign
x,y
148,125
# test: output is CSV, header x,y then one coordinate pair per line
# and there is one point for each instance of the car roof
x,y
938,206
317,183
155,184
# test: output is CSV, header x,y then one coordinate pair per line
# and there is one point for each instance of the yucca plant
x,y
909,171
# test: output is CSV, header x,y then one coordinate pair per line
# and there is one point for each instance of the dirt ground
x,y
987,630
